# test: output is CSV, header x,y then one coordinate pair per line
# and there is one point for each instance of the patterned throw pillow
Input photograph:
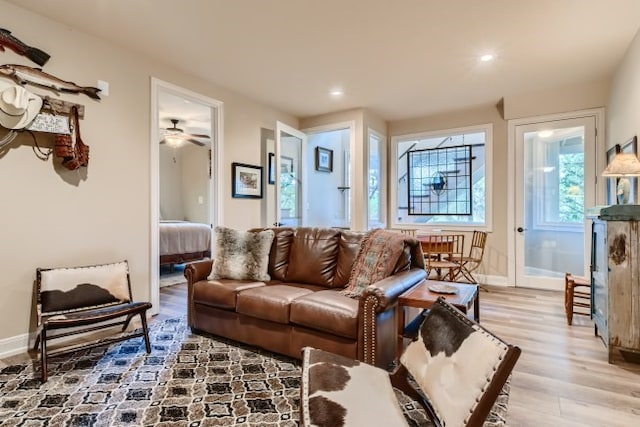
x,y
242,255
453,361
73,288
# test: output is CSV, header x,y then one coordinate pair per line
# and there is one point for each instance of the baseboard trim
x,y
494,280
15,345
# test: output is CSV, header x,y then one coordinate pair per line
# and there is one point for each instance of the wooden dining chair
x,y
471,262
576,301
408,231
443,252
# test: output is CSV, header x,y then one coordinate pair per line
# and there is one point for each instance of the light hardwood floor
x,y
562,378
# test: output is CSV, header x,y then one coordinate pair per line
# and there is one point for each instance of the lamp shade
x,y
623,164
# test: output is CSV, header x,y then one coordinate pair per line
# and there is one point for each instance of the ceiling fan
x,y
174,136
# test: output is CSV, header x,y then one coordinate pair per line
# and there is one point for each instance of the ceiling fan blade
x,y
196,135
195,141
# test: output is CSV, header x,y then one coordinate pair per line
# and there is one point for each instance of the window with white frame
x,y
443,178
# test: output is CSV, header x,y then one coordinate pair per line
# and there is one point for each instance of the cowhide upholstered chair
x,y
460,369
83,299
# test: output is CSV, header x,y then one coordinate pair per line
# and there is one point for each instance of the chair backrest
x,y
478,242
80,288
437,246
408,231
460,366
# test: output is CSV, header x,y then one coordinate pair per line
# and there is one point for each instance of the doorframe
x,y
215,182
599,115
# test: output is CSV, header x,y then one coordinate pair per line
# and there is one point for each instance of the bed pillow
x,y
242,255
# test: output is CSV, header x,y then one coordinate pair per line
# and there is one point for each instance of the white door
x,y
290,176
555,181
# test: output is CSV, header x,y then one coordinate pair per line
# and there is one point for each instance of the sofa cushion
x,y
349,247
221,293
327,311
314,256
279,255
242,255
269,302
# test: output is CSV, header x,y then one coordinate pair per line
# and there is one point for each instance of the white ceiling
x,y
401,59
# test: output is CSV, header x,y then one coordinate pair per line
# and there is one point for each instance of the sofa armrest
x,y
195,272
387,290
198,270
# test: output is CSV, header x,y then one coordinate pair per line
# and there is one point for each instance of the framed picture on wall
x,y
246,181
324,159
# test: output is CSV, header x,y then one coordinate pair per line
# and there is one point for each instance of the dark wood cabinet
x,y
615,281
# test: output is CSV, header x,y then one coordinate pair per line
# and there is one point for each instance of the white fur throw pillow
x,y
242,255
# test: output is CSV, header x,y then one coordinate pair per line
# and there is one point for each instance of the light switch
x,y
104,87
200,200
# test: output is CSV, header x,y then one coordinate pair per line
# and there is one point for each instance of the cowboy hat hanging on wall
x,y
18,108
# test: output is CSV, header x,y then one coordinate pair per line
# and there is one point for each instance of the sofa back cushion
x,y
280,252
313,256
349,247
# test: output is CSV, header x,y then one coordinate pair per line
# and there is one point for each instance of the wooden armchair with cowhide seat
x,y
85,299
458,369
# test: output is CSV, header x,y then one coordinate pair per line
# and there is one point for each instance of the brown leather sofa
x,y
301,305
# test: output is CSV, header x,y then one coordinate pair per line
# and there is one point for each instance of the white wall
x,y
56,217
195,182
327,205
171,206
623,107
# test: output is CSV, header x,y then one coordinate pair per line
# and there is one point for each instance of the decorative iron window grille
x,y
439,181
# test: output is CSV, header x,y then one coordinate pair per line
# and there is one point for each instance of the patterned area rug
x,y
187,380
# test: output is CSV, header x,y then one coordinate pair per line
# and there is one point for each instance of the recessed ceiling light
x,y
545,133
487,57
336,92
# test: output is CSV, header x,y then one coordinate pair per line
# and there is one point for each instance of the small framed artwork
x,y
286,164
246,181
272,169
324,159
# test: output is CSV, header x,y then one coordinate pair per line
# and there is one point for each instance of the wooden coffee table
x,y
421,297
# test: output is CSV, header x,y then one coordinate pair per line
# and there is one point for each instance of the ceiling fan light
x,y
173,141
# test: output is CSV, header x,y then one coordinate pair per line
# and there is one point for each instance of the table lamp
x,y
623,166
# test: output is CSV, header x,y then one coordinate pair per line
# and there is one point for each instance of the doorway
x,y
555,171
312,176
186,164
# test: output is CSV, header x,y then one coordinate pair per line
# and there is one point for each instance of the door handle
x,y
520,229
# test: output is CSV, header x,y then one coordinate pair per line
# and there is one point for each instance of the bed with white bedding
x,y
183,241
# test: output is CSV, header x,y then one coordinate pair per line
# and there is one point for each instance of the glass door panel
x,y
290,176
555,161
